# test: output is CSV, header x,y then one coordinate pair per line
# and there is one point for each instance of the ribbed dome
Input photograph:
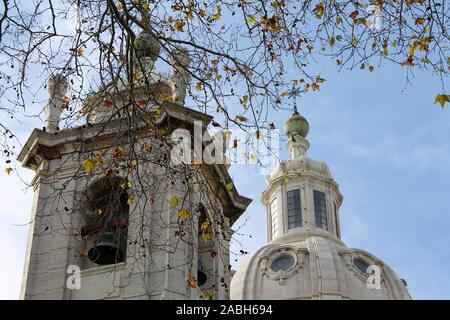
x,y
317,267
296,124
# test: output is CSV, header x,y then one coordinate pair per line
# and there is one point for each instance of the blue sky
x,y
389,151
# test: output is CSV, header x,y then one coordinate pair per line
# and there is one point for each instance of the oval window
x,y
361,265
282,263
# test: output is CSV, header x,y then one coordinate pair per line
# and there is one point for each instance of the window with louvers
x,y
320,210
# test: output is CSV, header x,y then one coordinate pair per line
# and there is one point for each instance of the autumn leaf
x,y
130,201
420,21
320,80
442,99
173,202
8,170
192,282
319,10
315,86
371,68
137,75
243,101
183,213
217,14
83,254
354,14
88,165
80,52
230,185
207,236
198,87
179,25
251,19
331,41
241,118
205,225
208,296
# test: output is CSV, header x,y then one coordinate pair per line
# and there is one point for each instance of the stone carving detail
x,y
181,77
57,89
299,255
348,255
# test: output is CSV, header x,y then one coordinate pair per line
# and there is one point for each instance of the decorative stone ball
x,y
296,125
147,46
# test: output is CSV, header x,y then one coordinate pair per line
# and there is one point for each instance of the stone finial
x,y
57,88
147,49
180,60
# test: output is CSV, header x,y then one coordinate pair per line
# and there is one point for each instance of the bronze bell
x,y
107,248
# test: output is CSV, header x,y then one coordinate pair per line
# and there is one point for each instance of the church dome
x,y
305,257
317,267
296,124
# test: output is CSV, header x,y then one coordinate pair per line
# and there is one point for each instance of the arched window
x,y
107,220
294,208
320,210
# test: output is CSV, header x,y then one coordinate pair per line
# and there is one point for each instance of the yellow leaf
x,y
8,170
173,202
442,99
217,14
208,296
179,25
207,236
198,87
137,75
230,185
145,7
88,165
119,6
183,213
80,52
130,201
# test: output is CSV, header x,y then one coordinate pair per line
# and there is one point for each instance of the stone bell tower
x,y
112,217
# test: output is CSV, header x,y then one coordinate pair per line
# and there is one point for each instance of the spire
x,y
294,97
296,128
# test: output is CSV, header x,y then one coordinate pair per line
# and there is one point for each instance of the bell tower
x,y
113,217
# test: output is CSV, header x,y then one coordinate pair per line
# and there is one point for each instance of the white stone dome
x,y
318,267
305,257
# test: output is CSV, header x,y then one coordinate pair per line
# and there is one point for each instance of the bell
x,y
107,248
